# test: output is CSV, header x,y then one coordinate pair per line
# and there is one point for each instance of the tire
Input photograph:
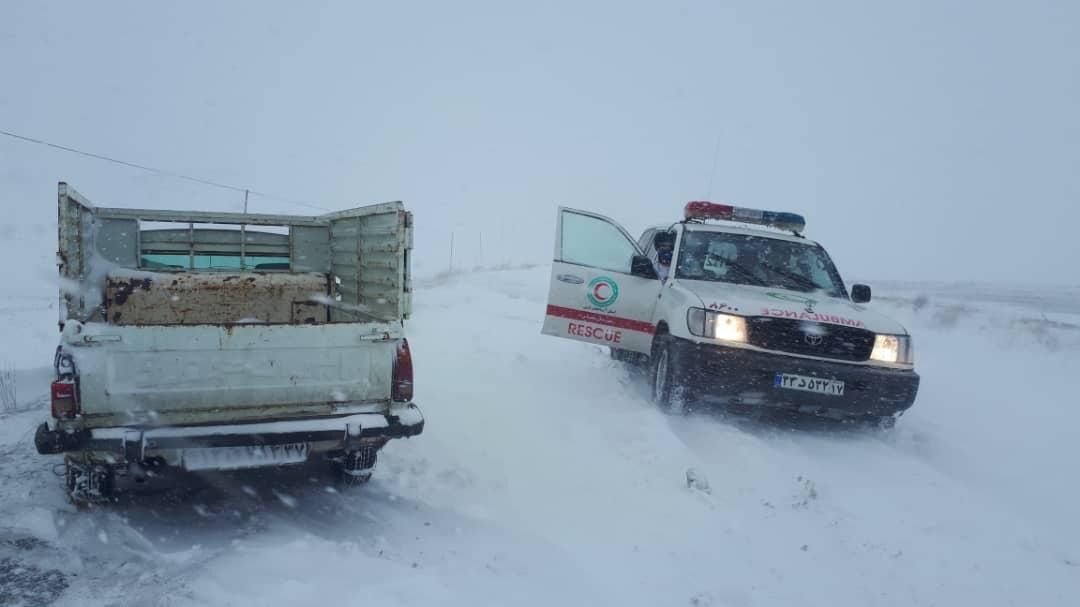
x,y
887,422
355,467
353,479
669,392
629,357
88,484
633,360
872,423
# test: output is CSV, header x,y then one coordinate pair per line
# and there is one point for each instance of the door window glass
x,y
593,242
645,242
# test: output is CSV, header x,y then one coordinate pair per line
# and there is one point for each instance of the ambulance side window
x,y
645,242
589,241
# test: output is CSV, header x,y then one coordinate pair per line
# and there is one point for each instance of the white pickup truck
x,y
730,306
202,340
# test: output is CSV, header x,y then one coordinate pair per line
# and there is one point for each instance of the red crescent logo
x,y
596,291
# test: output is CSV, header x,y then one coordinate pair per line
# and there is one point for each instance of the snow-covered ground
x,y
545,477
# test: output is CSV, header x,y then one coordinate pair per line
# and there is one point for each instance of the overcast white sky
x,y
922,140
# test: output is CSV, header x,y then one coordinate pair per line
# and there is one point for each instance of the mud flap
x,y
48,442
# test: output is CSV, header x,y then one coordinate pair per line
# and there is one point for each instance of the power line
x,y
161,172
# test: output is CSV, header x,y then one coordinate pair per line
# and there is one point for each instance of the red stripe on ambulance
x,y
601,319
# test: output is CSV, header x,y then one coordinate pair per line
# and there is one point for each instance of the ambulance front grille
x,y
811,338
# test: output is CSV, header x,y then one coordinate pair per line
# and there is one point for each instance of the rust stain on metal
x,y
126,288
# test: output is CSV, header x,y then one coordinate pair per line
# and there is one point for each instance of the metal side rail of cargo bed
x,y
132,444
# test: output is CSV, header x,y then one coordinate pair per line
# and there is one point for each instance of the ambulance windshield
x,y
756,260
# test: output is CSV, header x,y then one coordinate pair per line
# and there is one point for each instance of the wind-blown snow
x,y
545,477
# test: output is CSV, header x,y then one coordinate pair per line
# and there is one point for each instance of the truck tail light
x,y
402,388
65,399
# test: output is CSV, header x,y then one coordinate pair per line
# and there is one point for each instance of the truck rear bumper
x,y
135,445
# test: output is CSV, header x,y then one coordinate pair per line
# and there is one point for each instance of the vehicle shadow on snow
x,y
767,422
156,537
209,512
173,535
241,502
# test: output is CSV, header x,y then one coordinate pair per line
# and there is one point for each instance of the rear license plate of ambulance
x,y
234,458
817,385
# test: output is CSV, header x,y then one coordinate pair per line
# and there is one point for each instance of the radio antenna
x,y
712,173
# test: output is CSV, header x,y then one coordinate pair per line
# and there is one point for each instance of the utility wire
x,y
161,171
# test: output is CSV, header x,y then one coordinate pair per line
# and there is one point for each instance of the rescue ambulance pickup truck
x,y
209,341
748,313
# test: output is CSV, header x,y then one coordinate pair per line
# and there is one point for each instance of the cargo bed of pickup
x,y
205,340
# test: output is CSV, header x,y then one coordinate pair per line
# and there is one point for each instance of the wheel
x,y
88,484
631,358
356,467
669,391
887,422
353,478
872,422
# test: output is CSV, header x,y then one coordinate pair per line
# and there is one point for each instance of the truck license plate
x,y
234,458
790,381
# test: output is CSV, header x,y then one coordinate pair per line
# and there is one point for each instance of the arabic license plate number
x,y
817,385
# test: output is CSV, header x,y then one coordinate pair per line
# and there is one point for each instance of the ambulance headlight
x,y
894,349
706,323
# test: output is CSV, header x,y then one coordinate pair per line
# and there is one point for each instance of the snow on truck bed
x,y
545,477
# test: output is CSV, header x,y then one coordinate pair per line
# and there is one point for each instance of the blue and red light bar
x,y
700,209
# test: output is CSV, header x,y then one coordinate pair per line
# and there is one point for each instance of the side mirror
x,y
642,266
860,293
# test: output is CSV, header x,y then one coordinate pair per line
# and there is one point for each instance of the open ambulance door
x,y
603,290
